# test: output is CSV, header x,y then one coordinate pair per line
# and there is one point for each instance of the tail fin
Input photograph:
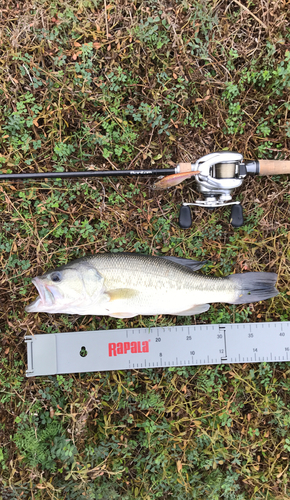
x,y
253,287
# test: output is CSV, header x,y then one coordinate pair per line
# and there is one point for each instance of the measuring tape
x,y
137,348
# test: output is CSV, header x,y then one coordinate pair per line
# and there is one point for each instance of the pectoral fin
x,y
116,298
121,294
194,310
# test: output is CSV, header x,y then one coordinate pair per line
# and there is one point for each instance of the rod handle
x,y
274,167
184,167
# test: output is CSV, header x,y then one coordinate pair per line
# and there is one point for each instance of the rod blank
x,y
88,173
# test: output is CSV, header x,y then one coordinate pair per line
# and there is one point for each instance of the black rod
x,y
88,173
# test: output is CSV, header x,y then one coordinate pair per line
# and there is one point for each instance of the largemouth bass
x,y
123,285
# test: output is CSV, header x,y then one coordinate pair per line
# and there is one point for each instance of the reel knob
x,y
237,219
185,220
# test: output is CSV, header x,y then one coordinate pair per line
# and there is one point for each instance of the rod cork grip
x,y
274,167
185,167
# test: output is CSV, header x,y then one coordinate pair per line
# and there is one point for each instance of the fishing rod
x,y
216,175
89,173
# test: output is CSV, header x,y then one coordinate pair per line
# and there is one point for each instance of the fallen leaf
x,y
198,99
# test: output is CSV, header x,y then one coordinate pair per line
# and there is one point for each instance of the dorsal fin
x,y
193,265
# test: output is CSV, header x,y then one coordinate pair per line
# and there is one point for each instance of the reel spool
x,y
220,173
224,170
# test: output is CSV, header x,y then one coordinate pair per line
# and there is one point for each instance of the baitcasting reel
x,y
218,175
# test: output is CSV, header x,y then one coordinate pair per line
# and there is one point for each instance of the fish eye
x,y
55,277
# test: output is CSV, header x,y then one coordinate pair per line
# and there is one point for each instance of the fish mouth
x,y
44,300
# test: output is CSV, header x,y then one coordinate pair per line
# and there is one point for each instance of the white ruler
x,y
93,351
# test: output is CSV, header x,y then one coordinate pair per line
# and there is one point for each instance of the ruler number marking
x,y
222,335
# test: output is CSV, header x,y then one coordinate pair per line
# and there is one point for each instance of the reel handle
x,y
274,167
185,220
237,219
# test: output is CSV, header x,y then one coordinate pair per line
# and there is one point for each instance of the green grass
x,y
141,85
